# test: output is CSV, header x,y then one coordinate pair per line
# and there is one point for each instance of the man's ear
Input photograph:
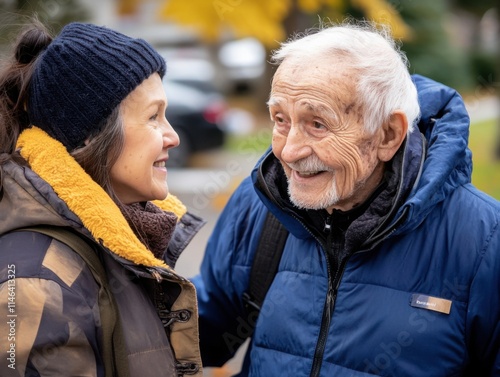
x,y
393,134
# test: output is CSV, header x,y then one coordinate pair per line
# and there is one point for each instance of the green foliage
x,y
486,172
257,142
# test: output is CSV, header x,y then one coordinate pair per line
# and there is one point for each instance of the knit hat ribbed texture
x,y
82,76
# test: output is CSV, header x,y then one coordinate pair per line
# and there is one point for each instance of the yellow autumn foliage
x,y
262,19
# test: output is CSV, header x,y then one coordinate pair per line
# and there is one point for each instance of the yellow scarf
x,y
99,214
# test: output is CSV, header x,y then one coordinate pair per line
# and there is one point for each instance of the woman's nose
x,y
170,137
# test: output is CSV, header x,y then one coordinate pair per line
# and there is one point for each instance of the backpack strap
x,y
113,344
265,264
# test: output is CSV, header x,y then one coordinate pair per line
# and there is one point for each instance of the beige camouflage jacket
x,y
48,297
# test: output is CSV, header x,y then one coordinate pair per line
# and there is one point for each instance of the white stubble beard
x,y
301,199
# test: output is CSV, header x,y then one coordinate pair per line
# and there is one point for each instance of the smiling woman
x,y
139,173
83,149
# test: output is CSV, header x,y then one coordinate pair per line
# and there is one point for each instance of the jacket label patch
x,y
436,304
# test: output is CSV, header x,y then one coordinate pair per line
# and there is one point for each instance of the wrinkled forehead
x,y
316,83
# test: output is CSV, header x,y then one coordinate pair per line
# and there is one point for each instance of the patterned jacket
x,y
48,297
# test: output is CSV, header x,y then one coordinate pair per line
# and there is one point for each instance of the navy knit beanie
x,y
82,76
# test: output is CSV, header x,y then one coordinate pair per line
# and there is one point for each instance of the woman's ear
x,y
393,134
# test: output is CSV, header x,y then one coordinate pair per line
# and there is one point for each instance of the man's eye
x,y
318,125
278,119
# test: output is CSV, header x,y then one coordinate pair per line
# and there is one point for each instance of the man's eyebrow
x,y
273,101
320,109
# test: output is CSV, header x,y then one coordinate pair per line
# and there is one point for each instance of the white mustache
x,y
309,164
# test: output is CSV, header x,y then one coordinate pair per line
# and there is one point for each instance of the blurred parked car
x,y
196,65
244,61
198,118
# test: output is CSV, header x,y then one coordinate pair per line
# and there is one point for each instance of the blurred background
x,y
218,77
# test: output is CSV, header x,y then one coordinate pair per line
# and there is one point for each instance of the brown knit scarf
x,y
152,226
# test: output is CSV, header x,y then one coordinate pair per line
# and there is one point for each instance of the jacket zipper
x,y
323,334
331,298
329,302
335,263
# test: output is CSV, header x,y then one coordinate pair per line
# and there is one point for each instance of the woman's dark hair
x,y
101,151
15,78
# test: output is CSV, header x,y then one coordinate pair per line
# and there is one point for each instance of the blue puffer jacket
x,y
418,295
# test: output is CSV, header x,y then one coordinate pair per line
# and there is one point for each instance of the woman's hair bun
x,y
31,42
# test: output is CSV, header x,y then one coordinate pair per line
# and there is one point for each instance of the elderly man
x,y
392,262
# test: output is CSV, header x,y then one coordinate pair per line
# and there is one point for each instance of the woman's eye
x,y
154,117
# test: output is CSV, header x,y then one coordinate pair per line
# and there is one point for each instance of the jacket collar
x,y
49,159
448,162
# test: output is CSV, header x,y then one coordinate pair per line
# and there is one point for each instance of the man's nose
x,y
296,145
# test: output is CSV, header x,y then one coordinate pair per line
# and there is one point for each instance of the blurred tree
x,y
271,21
263,19
483,58
423,26
487,64
53,13
433,50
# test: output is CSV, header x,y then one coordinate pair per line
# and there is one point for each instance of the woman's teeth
x,y
159,164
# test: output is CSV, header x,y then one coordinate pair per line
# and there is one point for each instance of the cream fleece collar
x,y
99,214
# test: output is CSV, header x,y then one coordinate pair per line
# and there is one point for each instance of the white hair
x,y
384,83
